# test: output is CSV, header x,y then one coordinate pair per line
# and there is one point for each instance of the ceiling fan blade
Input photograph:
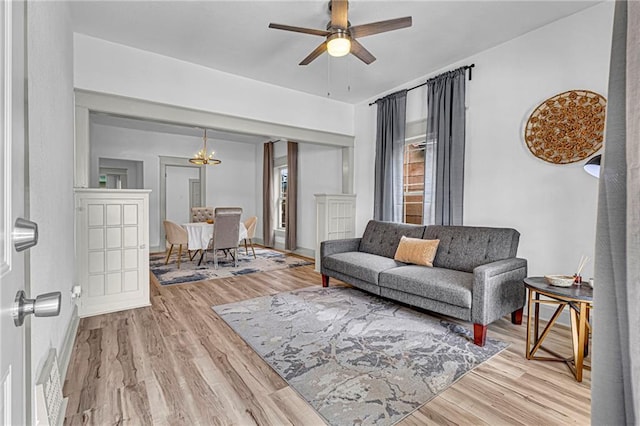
x,y
361,53
313,55
339,14
299,29
379,27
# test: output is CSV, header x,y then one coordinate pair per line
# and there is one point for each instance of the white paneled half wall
x,y
112,247
336,219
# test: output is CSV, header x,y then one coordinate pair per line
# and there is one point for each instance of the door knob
x,y
44,305
25,234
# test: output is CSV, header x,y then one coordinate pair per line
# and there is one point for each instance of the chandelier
x,y
201,158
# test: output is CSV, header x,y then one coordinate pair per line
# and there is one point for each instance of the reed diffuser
x,y
577,277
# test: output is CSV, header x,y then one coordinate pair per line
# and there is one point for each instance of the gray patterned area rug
x,y
355,357
266,260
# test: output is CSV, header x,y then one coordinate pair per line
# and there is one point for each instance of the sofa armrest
x,y
498,289
329,247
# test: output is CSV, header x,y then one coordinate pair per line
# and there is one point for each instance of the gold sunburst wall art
x,y
567,127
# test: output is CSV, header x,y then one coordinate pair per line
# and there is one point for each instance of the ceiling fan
x,y
341,36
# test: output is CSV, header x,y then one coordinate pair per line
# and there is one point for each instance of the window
x,y
414,192
282,196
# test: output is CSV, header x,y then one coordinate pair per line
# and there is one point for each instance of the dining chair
x,y
225,233
201,214
176,235
250,224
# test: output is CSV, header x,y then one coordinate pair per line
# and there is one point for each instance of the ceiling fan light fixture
x,y
338,44
341,38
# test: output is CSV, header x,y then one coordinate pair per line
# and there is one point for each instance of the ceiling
x,y
233,36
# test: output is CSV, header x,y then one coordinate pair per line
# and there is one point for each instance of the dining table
x,y
199,234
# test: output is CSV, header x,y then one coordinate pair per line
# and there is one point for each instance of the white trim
x,y
6,397
7,65
279,197
301,251
81,154
66,349
115,307
414,139
139,108
415,129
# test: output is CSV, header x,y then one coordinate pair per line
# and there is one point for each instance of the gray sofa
x,y
475,275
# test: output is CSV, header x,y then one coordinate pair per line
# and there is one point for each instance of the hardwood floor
x,y
178,363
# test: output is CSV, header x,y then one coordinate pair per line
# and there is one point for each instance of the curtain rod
x,y
466,67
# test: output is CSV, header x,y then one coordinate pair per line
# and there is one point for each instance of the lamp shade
x,y
593,166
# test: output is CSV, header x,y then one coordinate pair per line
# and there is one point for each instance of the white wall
x,y
51,133
228,184
113,68
553,207
319,172
178,189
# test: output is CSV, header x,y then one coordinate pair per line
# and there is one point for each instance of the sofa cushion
x,y
364,266
463,248
416,251
382,238
446,285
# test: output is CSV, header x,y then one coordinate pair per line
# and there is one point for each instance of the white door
x,y
12,274
16,233
178,192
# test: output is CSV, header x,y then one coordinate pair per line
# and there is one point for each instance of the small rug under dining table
x,y
356,358
265,260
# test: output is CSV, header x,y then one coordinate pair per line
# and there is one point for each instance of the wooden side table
x,y
579,299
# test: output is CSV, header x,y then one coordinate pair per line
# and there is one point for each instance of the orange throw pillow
x,y
416,251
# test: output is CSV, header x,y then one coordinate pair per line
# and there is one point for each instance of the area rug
x,y
355,357
266,260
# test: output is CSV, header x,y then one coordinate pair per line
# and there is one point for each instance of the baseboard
x,y
305,252
300,251
114,307
67,344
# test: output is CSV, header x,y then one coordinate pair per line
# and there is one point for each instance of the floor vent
x,y
50,405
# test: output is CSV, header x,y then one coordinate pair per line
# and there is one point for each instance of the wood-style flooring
x,y
178,363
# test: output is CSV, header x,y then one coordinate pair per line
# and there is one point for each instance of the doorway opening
x,y
182,186
120,174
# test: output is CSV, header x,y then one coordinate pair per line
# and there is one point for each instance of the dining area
x,y
218,232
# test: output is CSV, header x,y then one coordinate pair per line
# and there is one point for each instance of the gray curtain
x,y
291,217
615,390
387,196
446,126
267,195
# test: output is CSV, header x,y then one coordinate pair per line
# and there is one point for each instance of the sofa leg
x,y
325,280
516,316
479,334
